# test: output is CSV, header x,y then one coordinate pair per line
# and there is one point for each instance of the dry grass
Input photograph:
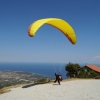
x,y
4,90
7,89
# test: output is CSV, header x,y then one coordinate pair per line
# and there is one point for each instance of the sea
x,y
45,69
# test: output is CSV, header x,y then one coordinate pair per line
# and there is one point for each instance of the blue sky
x,y
49,44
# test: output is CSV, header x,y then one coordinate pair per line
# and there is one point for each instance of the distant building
x,y
90,67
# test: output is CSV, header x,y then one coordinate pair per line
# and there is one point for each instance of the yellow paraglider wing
x,y
60,24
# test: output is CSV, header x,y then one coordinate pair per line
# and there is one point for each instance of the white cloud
x,y
97,57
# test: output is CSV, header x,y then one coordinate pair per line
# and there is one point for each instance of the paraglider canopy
x,y
60,24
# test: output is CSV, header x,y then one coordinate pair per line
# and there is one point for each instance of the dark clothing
x,y
58,78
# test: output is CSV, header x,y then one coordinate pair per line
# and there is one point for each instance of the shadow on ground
x,y
55,84
29,85
26,86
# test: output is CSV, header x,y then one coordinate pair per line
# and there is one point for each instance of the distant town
x,y
9,78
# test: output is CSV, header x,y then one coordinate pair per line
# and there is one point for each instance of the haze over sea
x,y
46,69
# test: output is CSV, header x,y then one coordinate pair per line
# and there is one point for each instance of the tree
x,y
83,73
72,69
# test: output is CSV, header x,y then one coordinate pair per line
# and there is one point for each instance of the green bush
x,y
97,77
74,70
